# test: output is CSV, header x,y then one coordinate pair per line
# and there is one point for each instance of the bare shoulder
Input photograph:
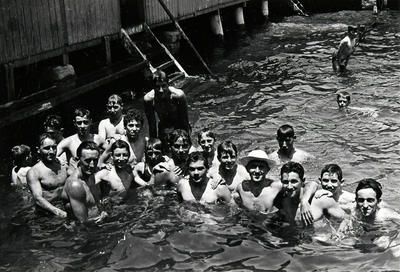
x,y
387,214
176,93
98,139
149,96
301,155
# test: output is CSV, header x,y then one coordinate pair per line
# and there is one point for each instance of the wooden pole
x,y
10,82
171,16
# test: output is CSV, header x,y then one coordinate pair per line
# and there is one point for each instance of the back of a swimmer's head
x,y
228,147
82,112
285,131
53,123
20,154
120,144
293,167
197,156
206,132
86,145
370,183
133,115
332,169
179,133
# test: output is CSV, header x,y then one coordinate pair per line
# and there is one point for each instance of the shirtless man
x,y
22,161
287,151
343,99
113,126
82,122
180,143
169,105
332,199
341,57
119,176
47,177
197,186
258,192
206,139
80,191
133,123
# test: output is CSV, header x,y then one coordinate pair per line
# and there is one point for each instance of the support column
x,y
107,49
264,8
239,18
10,82
216,24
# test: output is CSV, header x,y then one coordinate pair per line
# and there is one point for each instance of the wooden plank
x,y
13,29
23,30
4,54
36,21
10,81
47,34
107,49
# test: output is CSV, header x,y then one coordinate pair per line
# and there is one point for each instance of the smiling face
x,y
120,157
207,143
228,160
88,161
197,171
48,150
291,184
82,125
132,128
330,182
367,202
257,170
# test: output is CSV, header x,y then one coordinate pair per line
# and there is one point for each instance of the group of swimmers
x,y
74,175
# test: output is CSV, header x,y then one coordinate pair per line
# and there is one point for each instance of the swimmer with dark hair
x,y
22,159
341,56
113,126
343,99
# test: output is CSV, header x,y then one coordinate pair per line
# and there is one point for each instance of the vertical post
x,y
216,24
264,8
108,49
65,57
239,18
10,83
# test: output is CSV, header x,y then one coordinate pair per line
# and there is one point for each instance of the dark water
x,y
275,74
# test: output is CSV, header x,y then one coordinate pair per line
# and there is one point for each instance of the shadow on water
x,y
269,75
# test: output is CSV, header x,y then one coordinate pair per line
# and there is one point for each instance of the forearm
x,y
43,203
309,190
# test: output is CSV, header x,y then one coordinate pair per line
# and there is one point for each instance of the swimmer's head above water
x,y
343,99
227,155
197,166
331,177
286,136
368,196
258,164
292,178
133,123
206,139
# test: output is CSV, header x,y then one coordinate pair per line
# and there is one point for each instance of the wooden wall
x,y
33,27
154,13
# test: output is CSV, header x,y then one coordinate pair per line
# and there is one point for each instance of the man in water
x,y
80,191
69,145
287,151
47,177
343,99
341,57
206,140
113,126
198,186
258,193
169,105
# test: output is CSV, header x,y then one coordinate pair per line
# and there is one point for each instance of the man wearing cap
x,y
259,192
287,152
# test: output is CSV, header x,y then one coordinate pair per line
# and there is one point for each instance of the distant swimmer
x,y
81,194
113,126
341,56
169,105
82,122
287,151
119,176
22,159
258,192
197,186
343,99
47,177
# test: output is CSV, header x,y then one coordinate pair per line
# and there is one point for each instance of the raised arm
x,y
37,193
102,129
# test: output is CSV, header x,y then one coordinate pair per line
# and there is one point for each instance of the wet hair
x,y
293,167
89,145
120,144
179,133
226,146
343,94
332,169
133,114
53,121
159,76
207,132
285,131
81,112
19,153
46,135
370,183
153,143
196,156
115,97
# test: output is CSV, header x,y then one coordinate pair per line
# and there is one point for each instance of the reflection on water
x,y
279,73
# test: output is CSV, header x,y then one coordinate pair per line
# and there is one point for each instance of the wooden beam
x,y
107,49
10,81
